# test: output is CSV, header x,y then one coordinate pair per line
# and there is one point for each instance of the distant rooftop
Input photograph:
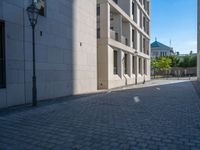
x,y
159,45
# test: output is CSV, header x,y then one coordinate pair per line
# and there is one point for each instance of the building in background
x,y
160,50
123,48
66,53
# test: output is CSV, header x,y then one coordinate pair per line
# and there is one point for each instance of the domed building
x,y
160,50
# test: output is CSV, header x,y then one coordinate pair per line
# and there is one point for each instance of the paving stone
x,y
163,119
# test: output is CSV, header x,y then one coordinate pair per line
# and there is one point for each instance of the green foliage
x,y
175,61
161,64
188,61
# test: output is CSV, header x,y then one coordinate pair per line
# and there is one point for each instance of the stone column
x,y
105,20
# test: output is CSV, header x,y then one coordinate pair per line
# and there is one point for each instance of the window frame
x,y
115,62
43,13
126,64
133,64
3,85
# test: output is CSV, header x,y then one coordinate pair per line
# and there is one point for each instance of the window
x,y
145,67
115,62
41,4
98,10
133,9
2,56
126,64
144,3
140,65
140,19
144,23
98,33
141,42
116,1
144,45
133,64
133,38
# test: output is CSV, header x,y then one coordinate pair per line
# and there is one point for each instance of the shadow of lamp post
x,y
33,13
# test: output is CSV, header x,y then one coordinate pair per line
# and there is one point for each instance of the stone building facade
x,y
66,52
69,60
123,49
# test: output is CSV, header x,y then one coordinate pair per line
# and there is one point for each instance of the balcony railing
x,y
115,36
124,40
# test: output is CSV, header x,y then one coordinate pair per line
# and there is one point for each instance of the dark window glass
x,y
133,38
145,68
98,33
41,4
144,23
125,64
116,1
140,66
133,9
98,10
2,56
115,62
144,45
133,65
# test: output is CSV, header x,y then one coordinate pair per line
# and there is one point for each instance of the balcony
x,y
115,36
124,40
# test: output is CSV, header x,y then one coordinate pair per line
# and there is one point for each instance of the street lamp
x,y
136,74
33,13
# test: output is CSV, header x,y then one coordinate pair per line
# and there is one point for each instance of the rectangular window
x,y
98,10
144,45
2,56
98,33
116,1
140,65
41,5
145,67
133,64
125,63
144,23
133,38
140,19
148,5
141,42
133,9
115,62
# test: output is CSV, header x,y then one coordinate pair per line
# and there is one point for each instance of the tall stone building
x,y
123,42
68,60
66,52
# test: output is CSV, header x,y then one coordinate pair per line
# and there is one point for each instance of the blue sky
x,y
175,20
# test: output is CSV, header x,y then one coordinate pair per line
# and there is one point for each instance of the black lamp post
x,y
33,13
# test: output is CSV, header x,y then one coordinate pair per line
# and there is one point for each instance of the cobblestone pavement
x,y
151,118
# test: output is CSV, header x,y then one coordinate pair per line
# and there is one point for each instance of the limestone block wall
x,y
65,50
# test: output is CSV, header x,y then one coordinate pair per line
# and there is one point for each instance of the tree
x,y
161,64
164,64
188,61
174,61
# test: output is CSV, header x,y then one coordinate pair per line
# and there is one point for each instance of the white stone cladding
x,y
66,52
